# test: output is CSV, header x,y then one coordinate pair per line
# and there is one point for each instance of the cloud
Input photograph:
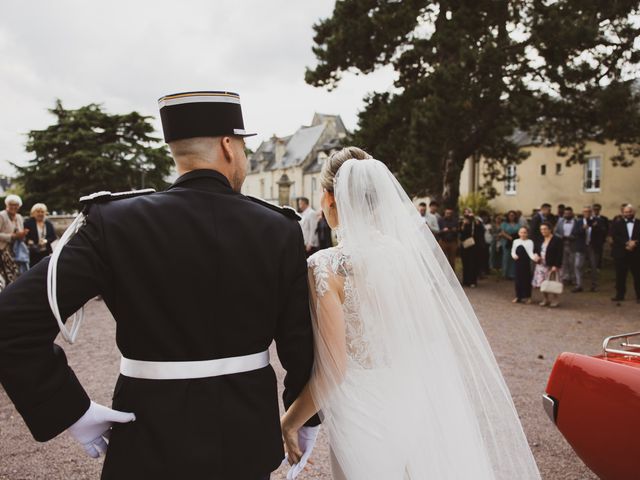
x,y
126,54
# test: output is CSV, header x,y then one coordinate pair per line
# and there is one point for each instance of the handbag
x,y
552,285
470,242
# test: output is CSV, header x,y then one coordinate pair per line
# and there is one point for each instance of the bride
x,y
404,377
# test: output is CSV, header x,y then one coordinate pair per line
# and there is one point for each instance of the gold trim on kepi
x,y
201,114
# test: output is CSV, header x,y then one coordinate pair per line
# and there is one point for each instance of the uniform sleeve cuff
x,y
53,416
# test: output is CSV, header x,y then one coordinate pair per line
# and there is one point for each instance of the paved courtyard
x,y
526,339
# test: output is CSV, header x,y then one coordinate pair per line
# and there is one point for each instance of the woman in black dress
x,y
472,238
522,253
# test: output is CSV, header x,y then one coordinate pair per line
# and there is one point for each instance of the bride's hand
x,y
290,437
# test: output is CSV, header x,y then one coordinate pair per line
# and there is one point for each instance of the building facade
x,y
285,168
544,177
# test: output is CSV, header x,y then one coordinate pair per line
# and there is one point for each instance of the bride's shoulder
x,y
329,259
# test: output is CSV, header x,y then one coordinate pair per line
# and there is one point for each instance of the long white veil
x,y
429,402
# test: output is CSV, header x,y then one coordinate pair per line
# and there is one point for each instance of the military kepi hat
x,y
201,114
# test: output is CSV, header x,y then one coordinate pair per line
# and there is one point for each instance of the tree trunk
x,y
451,181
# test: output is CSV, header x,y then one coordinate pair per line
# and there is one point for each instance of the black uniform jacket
x,y
197,272
620,236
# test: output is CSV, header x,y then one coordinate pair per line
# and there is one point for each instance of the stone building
x,y
284,168
544,177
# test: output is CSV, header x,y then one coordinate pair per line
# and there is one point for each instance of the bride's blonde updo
x,y
335,161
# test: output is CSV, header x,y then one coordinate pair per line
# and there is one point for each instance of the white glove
x,y
94,427
307,437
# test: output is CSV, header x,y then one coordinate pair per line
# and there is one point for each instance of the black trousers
x,y
624,265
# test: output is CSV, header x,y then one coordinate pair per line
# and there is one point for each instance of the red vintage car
x,y
595,403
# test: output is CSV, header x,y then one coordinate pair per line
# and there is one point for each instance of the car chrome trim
x,y
550,406
626,344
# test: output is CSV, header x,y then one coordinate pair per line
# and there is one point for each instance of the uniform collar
x,y
201,176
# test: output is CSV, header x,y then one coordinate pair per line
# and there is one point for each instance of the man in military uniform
x,y
200,280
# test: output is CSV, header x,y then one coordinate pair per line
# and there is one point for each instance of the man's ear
x,y
227,148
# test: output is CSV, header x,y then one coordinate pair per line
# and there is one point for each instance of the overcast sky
x,y
126,54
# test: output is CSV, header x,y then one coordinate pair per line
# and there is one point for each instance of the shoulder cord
x,y
52,293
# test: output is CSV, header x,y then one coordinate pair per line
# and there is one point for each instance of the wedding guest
x,y
538,219
586,252
566,230
508,233
432,217
522,221
323,231
495,252
472,238
41,234
626,252
553,219
522,253
620,216
485,265
548,260
308,223
581,238
422,210
448,225
600,231
11,230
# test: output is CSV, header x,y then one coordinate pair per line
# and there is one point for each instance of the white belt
x,y
197,369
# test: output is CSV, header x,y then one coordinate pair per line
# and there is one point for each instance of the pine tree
x,y
471,73
88,150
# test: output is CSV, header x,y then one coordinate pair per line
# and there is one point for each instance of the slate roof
x,y
298,149
300,146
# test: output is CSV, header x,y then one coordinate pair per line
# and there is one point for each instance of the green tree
x,y
88,150
471,73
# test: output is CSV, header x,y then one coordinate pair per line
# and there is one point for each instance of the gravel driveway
x,y
526,339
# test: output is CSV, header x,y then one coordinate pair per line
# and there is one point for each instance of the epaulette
x,y
103,197
286,211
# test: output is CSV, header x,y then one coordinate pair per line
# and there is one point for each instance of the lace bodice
x,y
333,262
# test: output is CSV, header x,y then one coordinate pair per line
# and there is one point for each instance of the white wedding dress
x,y
405,379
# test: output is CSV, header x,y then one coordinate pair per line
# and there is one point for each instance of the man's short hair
x,y
560,205
303,199
422,204
433,202
597,205
569,208
546,205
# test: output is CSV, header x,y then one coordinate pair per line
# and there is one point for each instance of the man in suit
x,y
585,249
566,231
448,227
200,280
626,252
600,226
541,216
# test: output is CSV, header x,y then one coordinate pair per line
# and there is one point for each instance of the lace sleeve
x,y
319,273
326,290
